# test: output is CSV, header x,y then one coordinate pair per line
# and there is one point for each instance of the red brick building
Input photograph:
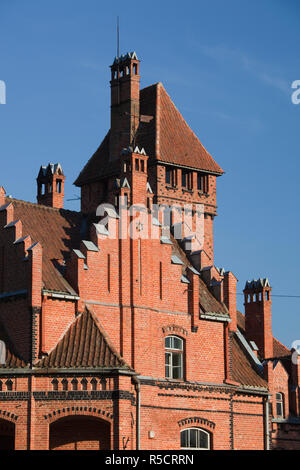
x,y
134,342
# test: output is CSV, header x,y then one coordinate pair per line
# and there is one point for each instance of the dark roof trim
x,y
162,162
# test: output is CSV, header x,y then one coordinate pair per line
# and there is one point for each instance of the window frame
x,y
279,402
200,430
170,353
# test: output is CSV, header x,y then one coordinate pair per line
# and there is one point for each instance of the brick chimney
x,y
258,316
229,288
50,186
125,103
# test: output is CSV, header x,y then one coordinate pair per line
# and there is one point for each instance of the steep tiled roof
x,y
13,361
278,348
83,345
242,369
167,137
98,165
177,142
57,231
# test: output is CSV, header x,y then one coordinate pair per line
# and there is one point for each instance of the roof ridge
x,y
40,206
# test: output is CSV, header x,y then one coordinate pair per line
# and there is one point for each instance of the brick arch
x,y
197,421
78,411
80,430
174,330
8,416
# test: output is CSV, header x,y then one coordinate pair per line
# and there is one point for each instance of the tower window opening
x,y
135,69
171,176
267,295
202,182
137,164
187,179
58,186
142,165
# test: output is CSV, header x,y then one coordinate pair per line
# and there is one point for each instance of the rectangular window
x,y
168,176
187,179
171,176
202,182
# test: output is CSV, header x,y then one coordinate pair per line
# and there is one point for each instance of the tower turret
x,y
50,186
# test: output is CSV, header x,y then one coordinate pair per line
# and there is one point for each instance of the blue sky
x,y
228,66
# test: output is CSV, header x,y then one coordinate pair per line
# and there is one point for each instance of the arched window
x,y
174,357
279,405
194,438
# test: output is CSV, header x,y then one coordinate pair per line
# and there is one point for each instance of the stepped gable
x,y
83,345
13,361
58,231
166,137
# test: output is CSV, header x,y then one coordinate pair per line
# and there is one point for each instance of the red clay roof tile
x,y
57,231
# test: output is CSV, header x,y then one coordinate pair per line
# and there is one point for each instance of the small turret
x,y
50,186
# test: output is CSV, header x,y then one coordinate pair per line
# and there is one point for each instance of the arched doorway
x,y
79,433
7,435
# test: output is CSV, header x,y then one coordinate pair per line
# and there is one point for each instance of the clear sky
x,y
228,66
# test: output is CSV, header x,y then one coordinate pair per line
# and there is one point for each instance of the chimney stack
x,y
125,103
229,284
50,186
258,316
